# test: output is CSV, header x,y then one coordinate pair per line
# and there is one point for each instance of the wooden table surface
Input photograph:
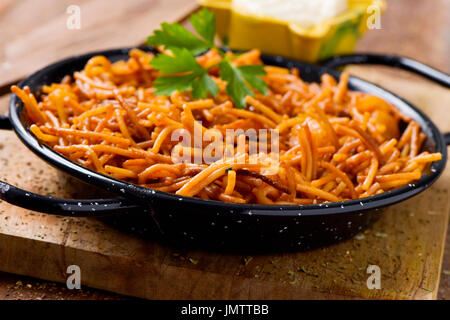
x,y
418,29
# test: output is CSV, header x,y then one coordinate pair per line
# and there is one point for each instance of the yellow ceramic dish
x,y
338,35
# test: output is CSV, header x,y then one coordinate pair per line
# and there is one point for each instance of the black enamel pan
x,y
213,224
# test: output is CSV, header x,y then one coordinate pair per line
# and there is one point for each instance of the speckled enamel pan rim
x,y
143,195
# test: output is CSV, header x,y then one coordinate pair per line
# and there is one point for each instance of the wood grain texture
x,y
407,242
416,29
34,33
444,285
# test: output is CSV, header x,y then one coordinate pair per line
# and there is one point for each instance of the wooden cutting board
x,y
406,243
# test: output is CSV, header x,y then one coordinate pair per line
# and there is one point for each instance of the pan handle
x,y
58,206
5,123
392,61
65,207
447,138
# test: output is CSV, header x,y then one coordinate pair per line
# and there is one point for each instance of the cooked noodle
x,y
334,144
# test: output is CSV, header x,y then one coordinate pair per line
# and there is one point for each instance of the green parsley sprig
x,y
181,71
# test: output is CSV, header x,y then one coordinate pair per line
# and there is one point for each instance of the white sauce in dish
x,y
306,13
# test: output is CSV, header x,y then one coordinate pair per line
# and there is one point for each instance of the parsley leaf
x,y
252,74
180,71
204,23
195,77
167,84
173,35
181,61
202,85
236,78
